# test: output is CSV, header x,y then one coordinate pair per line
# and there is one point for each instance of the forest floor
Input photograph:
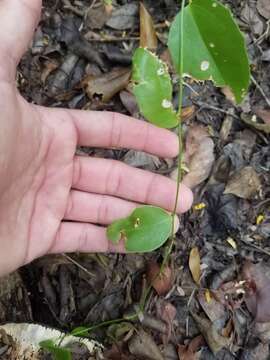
x,y
81,58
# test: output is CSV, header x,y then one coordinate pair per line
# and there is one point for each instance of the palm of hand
x,y
43,185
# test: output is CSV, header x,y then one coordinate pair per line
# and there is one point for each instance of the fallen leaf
x,y
163,282
228,94
143,346
213,309
194,137
107,85
129,102
250,16
195,264
244,183
257,277
191,351
263,7
123,17
97,16
167,313
214,340
199,156
142,160
148,37
264,114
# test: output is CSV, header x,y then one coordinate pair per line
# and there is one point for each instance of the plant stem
x,y
180,139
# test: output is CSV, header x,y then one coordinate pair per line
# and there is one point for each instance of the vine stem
x,y
179,178
180,140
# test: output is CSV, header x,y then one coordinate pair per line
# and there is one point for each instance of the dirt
x,y
80,58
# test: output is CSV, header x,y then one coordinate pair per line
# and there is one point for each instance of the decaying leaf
x,y
199,156
107,85
264,114
214,340
191,351
167,313
123,17
257,277
27,337
98,15
195,264
244,183
213,308
162,283
263,7
148,37
143,346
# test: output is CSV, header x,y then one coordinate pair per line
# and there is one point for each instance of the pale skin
x,y
52,201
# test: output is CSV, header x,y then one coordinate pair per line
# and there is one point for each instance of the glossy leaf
x,y
153,89
214,47
146,229
57,352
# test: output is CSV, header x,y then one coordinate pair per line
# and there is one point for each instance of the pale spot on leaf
x,y
161,71
205,65
166,104
212,45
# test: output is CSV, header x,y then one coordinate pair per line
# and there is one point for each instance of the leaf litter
x,y
68,48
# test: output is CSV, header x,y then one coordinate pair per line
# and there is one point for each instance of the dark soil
x,y
231,230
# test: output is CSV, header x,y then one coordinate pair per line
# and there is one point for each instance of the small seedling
x,y
206,44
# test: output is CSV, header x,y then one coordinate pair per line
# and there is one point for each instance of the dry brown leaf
x,y
143,346
244,183
264,114
228,94
213,309
191,351
199,156
214,340
107,85
195,135
167,313
98,15
257,277
162,283
148,37
263,7
195,264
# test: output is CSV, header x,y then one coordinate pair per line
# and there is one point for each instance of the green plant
x,y
206,44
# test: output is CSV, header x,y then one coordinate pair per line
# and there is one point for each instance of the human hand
x,y
50,199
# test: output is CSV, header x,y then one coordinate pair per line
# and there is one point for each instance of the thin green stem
x,y
103,324
180,140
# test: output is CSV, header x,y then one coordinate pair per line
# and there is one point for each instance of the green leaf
x,y
214,47
58,352
146,229
153,89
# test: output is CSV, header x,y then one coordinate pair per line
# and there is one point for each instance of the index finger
x,y
109,129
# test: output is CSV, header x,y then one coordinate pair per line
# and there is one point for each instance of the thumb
x,y
18,20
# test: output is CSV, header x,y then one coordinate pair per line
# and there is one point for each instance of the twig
x,y
113,39
69,6
78,265
259,249
258,86
211,107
